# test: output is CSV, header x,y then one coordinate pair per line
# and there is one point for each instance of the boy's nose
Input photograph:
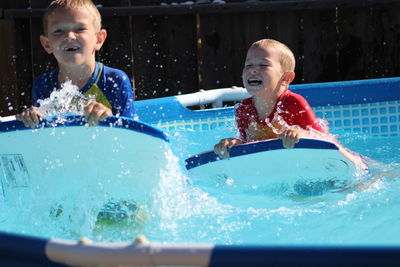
x,y
70,35
253,70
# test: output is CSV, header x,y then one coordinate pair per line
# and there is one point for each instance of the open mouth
x,y
71,49
254,82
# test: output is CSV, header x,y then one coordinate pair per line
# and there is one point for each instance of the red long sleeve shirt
x,y
291,107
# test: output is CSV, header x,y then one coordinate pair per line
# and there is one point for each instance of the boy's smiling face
x,y
262,70
72,37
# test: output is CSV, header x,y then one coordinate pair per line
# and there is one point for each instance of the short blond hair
x,y
287,59
85,4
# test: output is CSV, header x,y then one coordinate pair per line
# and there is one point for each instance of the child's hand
x,y
95,112
290,136
221,149
30,117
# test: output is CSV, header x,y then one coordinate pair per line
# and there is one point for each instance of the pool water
x,y
183,213
363,216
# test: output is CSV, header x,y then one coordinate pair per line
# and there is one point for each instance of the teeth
x,y
254,82
71,48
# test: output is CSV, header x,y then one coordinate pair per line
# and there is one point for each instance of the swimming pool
x,y
263,224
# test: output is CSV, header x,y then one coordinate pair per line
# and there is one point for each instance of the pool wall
x,y
371,106
20,251
16,250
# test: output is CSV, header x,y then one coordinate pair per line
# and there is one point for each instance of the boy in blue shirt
x,y
73,34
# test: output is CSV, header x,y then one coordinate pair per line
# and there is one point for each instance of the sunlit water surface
x,y
184,213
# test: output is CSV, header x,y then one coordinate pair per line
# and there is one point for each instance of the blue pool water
x,y
364,216
184,213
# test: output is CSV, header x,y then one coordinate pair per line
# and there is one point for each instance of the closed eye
x,y
58,31
81,29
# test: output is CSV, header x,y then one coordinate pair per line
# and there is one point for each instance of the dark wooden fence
x,y
171,49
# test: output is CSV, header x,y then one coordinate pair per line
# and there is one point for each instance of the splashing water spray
x,y
65,101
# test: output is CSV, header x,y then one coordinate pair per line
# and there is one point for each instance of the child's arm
x,y
221,149
30,117
95,112
291,136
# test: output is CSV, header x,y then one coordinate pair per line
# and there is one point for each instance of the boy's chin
x,y
73,61
251,89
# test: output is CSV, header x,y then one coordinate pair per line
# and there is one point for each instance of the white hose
x,y
7,118
214,96
127,254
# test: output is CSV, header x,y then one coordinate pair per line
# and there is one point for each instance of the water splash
x,y
178,206
67,99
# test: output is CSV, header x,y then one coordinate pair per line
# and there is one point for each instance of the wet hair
x,y
287,59
84,4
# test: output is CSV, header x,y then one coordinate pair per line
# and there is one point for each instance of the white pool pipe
x,y
7,118
138,253
216,97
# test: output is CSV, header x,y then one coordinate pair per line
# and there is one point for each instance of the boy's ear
x,y
101,38
288,77
45,43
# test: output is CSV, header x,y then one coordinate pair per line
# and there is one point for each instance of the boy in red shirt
x,y
273,111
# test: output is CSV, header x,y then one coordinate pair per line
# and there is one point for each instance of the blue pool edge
x,y
18,250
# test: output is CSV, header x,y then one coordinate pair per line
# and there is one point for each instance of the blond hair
x,y
85,4
286,59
